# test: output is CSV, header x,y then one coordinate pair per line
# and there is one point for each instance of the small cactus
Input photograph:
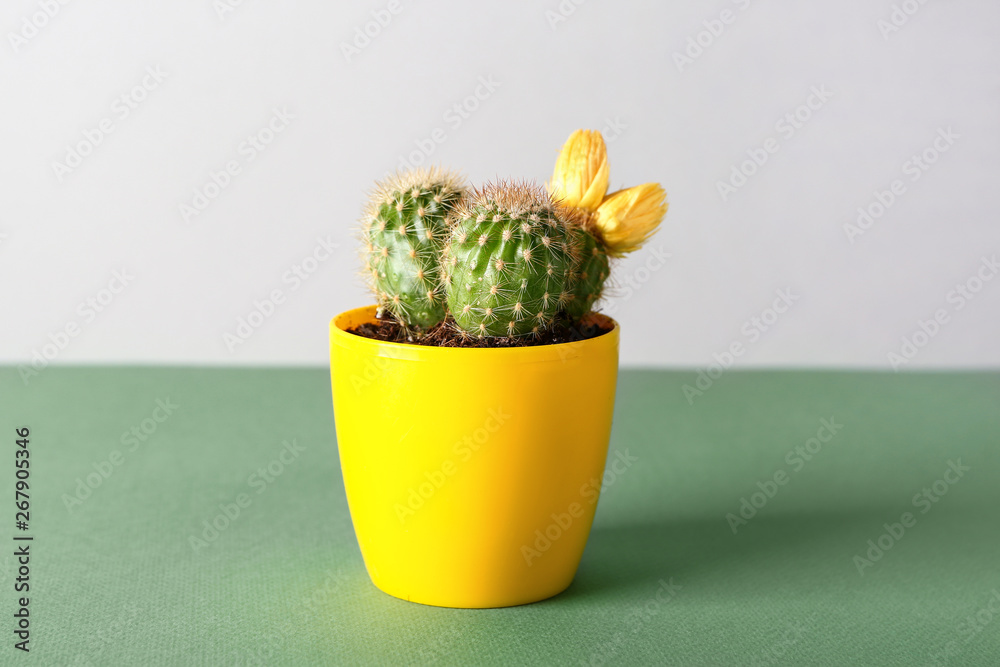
x,y
509,260
587,281
614,224
404,231
579,181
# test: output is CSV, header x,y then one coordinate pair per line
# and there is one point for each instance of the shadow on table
x,y
636,557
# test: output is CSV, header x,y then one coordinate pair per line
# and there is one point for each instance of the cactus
x,y
579,181
404,231
509,260
506,260
613,224
587,281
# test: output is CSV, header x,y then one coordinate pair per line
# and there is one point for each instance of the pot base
x,y
479,603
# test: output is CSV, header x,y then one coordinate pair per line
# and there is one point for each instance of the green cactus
x,y
404,232
509,260
587,282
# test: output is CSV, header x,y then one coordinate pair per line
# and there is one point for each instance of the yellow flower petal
x,y
627,218
581,175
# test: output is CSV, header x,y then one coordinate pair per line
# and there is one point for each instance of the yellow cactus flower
x,y
627,218
581,175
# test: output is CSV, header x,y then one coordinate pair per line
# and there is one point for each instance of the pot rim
x,y
552,351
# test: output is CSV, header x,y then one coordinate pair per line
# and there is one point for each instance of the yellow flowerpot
x,y
472,474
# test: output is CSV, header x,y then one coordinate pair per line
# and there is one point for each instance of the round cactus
x,y
509,260
404,232
587,282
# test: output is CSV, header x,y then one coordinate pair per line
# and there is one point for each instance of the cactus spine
x,y
404,232
509,260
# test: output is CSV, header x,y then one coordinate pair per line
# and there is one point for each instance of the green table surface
x,y
116,580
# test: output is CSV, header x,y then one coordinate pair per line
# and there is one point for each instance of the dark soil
x,y
447,334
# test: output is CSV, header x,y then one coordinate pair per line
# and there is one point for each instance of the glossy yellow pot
x,y
472,475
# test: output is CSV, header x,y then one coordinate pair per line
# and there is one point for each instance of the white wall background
x,y
62,239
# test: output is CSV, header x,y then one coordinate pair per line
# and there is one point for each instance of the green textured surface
x,y
116,582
